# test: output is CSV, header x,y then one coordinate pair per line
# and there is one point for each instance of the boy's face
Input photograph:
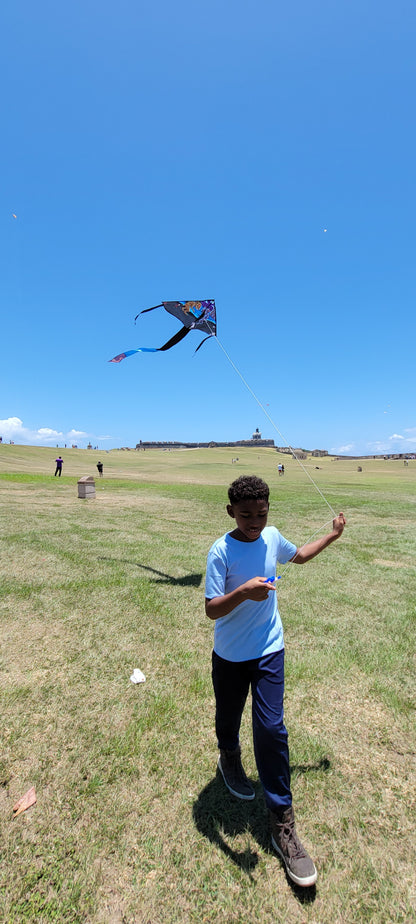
x,y
250,517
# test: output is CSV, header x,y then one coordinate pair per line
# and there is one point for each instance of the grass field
x,y
132,824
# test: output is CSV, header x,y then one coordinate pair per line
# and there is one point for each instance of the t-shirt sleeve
x,y
287,550
216,574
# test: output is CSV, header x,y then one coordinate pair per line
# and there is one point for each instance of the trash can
x,y
86,486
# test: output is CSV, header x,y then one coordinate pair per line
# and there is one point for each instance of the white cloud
x,y
76,434
378,446
394,443
405,440
342,450
12,428
46,433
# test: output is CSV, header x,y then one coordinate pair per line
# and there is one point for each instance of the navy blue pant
x,y
232,681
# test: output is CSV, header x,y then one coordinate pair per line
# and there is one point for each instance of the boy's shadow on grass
x,y
218,816
189,580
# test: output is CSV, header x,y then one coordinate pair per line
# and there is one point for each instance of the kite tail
x,y
145,310
203,341
176,338
120,356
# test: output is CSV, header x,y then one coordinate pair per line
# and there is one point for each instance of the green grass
x,y
131,822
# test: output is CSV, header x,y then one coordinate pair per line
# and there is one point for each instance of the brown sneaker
x,y
231,768
299,866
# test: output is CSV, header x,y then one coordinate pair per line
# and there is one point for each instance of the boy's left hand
x,y
338,523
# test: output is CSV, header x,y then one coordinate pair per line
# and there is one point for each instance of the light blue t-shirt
x,y
252,629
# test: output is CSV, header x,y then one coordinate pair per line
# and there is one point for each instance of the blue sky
x,y
259,153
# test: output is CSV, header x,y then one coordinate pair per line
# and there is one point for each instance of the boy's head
x,y
249,507
248,487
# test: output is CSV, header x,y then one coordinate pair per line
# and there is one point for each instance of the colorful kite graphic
x,y
198,315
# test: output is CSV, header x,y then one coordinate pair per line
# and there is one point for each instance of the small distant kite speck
x,y
197,315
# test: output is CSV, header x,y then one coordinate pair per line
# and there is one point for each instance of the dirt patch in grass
x,y
390,564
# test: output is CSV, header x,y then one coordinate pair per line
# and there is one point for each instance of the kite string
x,y
274,425
287,565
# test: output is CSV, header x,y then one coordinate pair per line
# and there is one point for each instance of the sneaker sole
x,y
239,795
305,880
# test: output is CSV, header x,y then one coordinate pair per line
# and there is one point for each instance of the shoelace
x,y
292,843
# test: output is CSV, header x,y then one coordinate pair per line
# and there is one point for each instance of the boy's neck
x,y
235,534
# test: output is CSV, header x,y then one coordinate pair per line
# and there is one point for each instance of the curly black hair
x,y
248,487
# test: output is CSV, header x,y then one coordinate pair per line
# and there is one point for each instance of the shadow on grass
x,y
189,580
218,815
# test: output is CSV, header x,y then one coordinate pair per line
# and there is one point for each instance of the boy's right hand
x,y
257,588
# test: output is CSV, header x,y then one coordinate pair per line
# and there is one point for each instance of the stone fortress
x,y
256,440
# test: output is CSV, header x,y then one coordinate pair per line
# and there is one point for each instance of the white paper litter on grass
x,y
137,676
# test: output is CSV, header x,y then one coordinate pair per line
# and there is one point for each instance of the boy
x,y
248,650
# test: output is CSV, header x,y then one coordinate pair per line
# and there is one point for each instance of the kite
x,y
200,315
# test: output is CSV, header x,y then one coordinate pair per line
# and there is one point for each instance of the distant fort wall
x,y
256,440
148,444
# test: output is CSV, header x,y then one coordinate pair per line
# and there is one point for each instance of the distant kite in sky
x,y
194,316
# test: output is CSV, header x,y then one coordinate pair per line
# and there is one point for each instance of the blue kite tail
x,y
120,356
